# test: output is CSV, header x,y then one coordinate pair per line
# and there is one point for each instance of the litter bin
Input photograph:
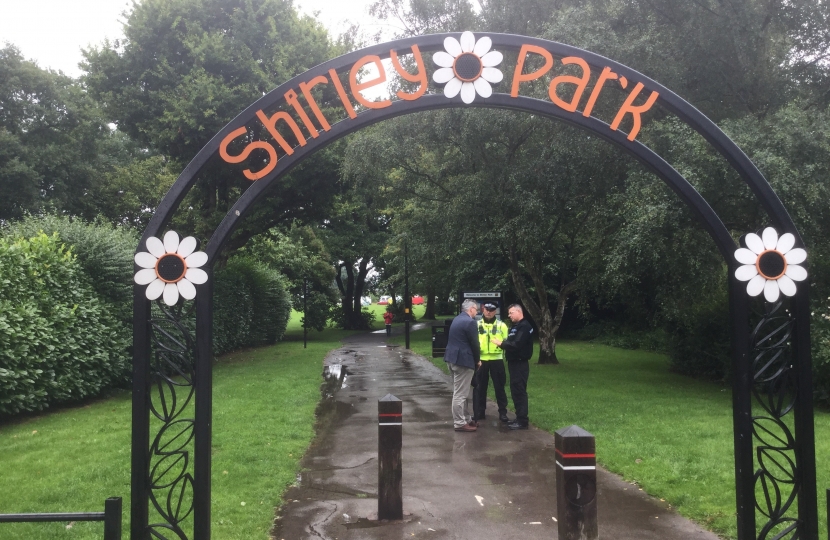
x,y
439,338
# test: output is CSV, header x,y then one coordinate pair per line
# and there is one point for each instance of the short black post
x,y
390,495
576,484
112,518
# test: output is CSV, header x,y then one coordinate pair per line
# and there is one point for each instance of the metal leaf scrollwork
x,y
774,388
171,397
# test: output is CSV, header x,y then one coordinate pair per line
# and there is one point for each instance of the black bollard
x,y
576,484
390,494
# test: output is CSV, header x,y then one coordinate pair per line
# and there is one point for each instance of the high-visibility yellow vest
x,y
488,331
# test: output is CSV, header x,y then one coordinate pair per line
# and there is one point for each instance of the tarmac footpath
x,y
492,484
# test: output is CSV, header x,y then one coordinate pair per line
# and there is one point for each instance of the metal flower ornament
x,y
467,67
770,264
171,268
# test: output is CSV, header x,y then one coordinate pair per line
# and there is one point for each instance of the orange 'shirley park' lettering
x,y
581,83
419,76
292,99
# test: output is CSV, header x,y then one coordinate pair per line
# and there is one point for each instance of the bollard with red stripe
x,y
390,494
576,484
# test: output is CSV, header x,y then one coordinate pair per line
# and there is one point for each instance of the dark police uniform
x,y
518,348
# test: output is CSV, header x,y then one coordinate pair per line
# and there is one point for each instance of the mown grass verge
x,y
669,434
72,459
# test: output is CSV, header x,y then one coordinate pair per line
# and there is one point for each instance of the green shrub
x,y
337,318
233,307
820,334
250,306
105,253
58,342
272,306
317,308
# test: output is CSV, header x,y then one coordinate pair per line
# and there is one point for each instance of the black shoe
x,y
503,417
516,425
482,417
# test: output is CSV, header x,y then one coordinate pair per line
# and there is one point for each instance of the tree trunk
x,y
547,339
429,313
547,322
350,303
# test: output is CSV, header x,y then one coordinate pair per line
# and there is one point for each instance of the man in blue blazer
x,y
462,355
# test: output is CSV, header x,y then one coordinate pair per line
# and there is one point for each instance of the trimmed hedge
x,y
105,253
820,334
58,342
66,310
251,306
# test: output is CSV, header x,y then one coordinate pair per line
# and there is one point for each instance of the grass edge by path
x,y
89,464
648,398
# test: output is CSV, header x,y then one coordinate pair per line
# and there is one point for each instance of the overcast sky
x,y
52,32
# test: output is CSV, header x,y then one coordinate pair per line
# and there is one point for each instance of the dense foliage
x,y
251,306
582,235
184,69
103,251
66,309
638,263
303,259
50,135
58,342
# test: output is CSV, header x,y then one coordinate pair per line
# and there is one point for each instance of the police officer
x,y
518,348
491,364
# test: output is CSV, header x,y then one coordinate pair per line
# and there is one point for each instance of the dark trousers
x,y
388,329
519,372
494,369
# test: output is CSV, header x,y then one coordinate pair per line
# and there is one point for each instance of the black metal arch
x,y
744,423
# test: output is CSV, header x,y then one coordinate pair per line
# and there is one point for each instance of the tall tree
x,y
355,234
51,133
499,185
187,67
300,255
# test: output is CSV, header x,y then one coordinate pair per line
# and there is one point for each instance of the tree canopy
x,y
577,232
185,68
51,137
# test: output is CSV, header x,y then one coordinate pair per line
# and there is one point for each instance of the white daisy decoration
x,y
467,67
171,268
770,264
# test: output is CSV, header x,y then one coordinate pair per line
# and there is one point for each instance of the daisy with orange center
x,y
770,264
467,67
171,268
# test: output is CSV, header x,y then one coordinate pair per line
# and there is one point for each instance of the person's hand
x,y
496,342
479,364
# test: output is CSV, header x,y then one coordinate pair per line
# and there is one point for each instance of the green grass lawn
x,y
72,459
669,434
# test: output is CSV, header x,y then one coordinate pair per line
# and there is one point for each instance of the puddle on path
x,y
334,378
372,521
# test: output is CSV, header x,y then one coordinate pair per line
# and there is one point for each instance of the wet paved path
x,y
489,485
